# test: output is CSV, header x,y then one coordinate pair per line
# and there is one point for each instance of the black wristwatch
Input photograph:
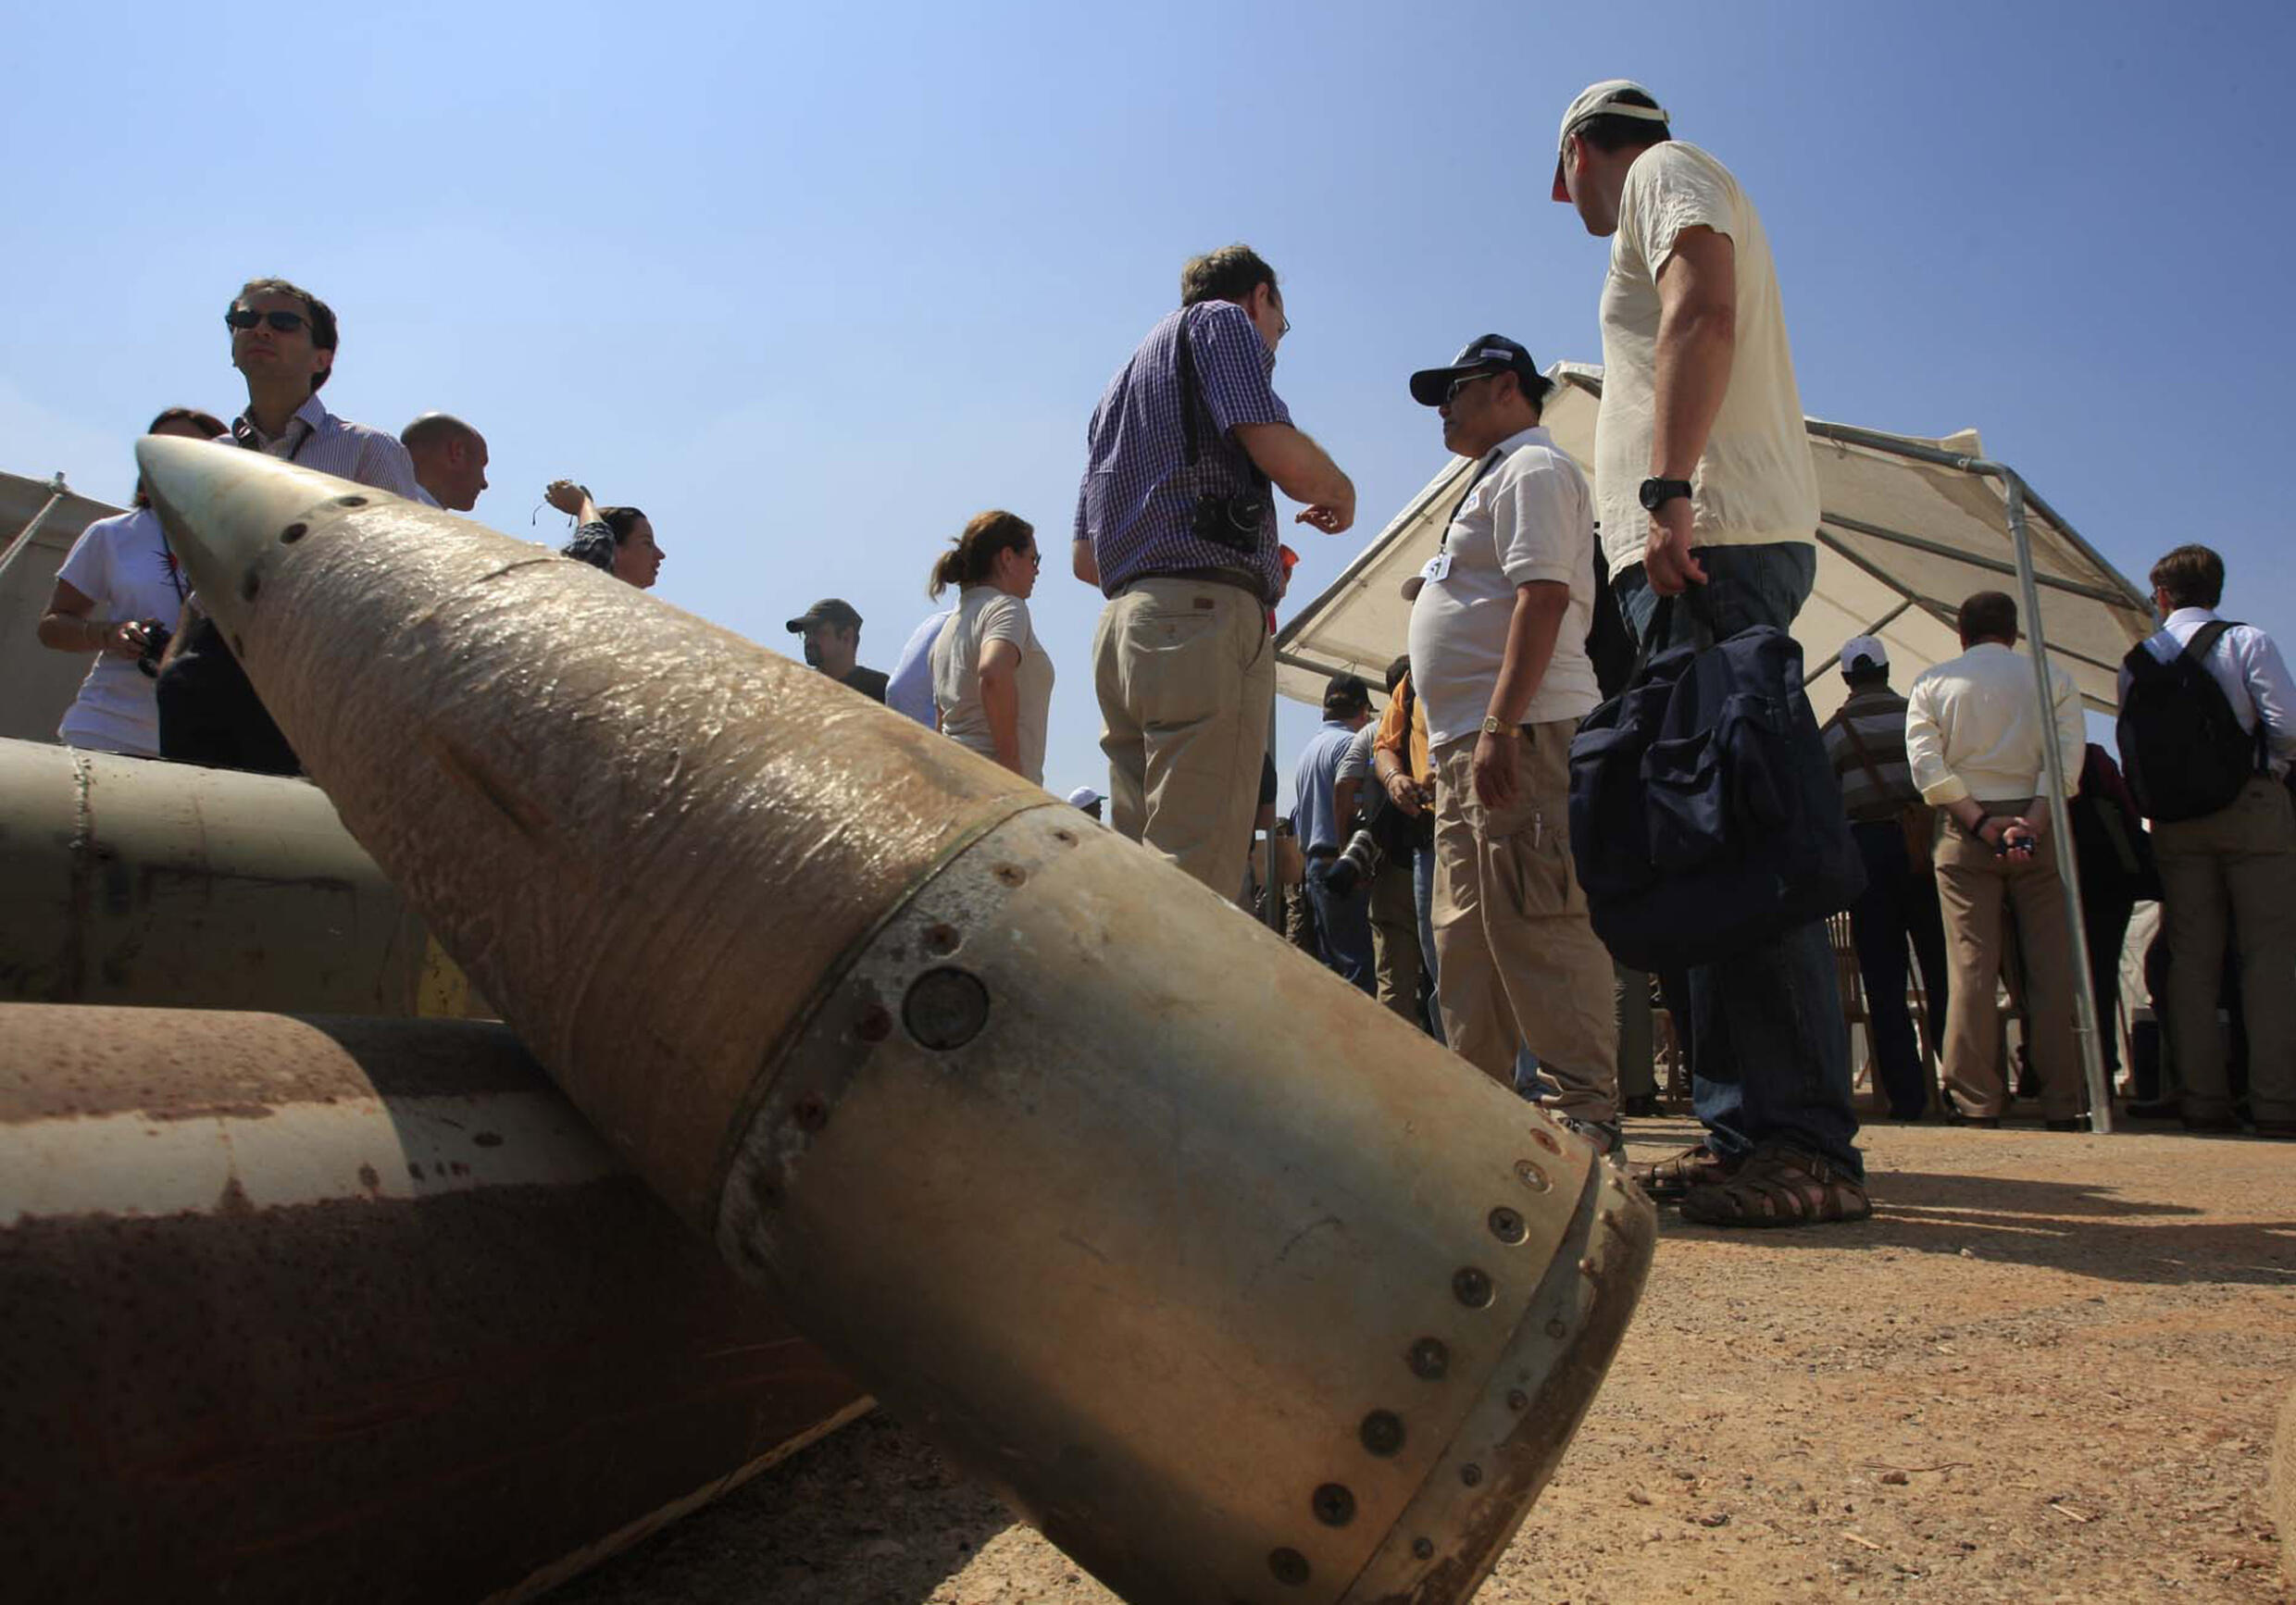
x,y
1656,494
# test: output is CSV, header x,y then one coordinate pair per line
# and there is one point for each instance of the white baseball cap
x,y
1864,649
1602,100
1084,797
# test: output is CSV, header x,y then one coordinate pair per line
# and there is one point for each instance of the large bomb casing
x,y
167,885
1240,1286
349,1309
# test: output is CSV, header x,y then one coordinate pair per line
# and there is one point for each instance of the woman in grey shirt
x,y
993,683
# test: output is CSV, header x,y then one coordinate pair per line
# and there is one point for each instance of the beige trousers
x,y
1516,959
1395,938
1974,886
2235,871
1186,678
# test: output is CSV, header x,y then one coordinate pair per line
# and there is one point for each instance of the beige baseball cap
x,y
1601,100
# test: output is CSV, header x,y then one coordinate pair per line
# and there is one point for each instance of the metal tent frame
x,y
1966,507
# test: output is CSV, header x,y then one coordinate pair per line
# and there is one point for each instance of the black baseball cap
x,y
1346,691
1484,354
829,610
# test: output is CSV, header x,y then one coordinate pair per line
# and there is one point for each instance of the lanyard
x,y
1443,542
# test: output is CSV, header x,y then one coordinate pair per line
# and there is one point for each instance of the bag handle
x,y
1864,754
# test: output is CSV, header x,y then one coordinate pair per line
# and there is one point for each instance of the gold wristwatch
x,y
1495,725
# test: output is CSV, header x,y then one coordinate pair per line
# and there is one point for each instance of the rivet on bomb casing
x,y
1429,1359
810,1114
1066,838
1507,1226
1532,1175
1334,1505
765,1190
1545,1140
1471,1288
945,1008
874,1024
1517,1400
293,533
1556,1328
250,585
1422,1549
1011,874
350,501
1290,1567
1382,1433
940,941
1471,1474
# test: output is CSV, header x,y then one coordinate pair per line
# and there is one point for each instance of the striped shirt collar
x,y
312,415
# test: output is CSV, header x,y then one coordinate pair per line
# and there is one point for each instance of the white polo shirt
x,y
1531,517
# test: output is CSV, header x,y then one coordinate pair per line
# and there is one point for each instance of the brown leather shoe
x,y
1672,1178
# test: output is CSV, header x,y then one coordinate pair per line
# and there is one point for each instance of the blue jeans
x,y
1772,1055
1346,928
1423,896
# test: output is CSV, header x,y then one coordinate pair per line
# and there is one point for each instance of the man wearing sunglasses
x,y
283,342
1499,618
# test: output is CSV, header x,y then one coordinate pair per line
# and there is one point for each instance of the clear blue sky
x,y
812,285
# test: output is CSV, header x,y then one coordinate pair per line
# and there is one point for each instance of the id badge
x,y
1437,568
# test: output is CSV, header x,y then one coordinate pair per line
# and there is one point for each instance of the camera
x,y
1236,519
155,639
1357,862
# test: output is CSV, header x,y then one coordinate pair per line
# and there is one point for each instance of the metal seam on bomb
x,y
1576,1317
832,982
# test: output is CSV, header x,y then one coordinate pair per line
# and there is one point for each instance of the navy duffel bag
x,y
1705,816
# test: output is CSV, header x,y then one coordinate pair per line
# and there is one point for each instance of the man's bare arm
x,y
1301,470
1083,564
1697,341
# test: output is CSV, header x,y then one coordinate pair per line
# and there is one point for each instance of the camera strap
x,y
1190,393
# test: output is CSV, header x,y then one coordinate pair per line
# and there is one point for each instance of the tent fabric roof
x,y
1902,538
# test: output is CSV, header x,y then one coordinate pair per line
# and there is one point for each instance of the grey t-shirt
x,y
985,613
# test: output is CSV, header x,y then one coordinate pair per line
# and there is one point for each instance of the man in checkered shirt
x,y
1176,526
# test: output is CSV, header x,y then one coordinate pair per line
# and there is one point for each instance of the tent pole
x,y
2060,820
57,490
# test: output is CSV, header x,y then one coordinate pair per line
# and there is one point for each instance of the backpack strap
x,y
2196,651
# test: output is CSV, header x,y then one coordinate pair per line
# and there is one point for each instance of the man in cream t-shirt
x,y
1499,624
1708,496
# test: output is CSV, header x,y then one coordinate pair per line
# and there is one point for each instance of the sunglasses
x,y
1452,393
247,318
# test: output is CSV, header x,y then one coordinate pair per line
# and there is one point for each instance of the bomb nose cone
x,y
224,507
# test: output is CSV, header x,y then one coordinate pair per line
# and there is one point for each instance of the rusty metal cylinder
x,y
167,885
1239,1287
349,1309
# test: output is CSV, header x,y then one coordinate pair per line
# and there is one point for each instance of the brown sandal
x,y
1780,1186
1695,1166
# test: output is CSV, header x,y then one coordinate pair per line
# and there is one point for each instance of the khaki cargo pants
x,y
1516,959
1186,678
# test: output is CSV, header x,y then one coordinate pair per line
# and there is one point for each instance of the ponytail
x,y
971,557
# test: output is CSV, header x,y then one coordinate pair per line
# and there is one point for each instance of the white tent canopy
x,y
1908,528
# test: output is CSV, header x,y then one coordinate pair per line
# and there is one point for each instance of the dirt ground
x,y
2047,1370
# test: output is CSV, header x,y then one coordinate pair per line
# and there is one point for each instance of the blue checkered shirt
x,y
1138,501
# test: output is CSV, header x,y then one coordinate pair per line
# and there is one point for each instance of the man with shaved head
x,y
450,459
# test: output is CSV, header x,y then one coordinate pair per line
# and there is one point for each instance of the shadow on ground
x,y
2115,1226
904,1525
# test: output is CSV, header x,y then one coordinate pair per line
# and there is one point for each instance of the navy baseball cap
x,y
1484,354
